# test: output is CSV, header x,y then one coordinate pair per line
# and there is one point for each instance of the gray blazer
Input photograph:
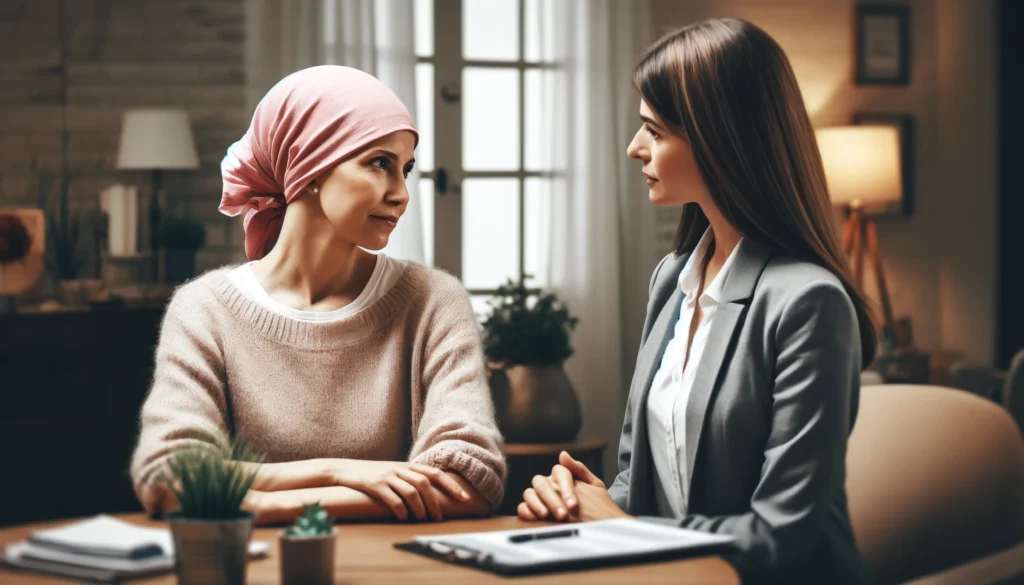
x,y
773,401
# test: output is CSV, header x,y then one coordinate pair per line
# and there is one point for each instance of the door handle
x,y
441,181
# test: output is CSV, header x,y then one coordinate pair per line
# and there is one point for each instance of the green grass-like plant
x,y
211,480
313,522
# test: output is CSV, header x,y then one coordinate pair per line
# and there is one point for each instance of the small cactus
x,y
313,522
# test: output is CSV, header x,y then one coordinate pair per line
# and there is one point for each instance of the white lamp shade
x,y
156,140
862,164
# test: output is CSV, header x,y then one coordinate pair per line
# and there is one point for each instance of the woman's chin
x,y
374,244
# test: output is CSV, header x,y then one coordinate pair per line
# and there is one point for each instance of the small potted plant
x,y
181,238
307,549
211,530
526,340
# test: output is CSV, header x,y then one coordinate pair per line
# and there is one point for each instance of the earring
x,y
315,190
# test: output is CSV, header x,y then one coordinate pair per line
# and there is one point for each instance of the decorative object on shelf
x,y
883,45
180,238
211,531
121,205
904,125
307,549
156,140
862,168
22,253
526,340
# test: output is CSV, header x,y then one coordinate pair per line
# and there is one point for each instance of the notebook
x,y
101,549
568,547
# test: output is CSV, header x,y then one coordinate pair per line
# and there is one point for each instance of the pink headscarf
x,y
305,125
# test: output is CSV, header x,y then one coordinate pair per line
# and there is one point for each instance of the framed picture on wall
x,y
883,45
904,125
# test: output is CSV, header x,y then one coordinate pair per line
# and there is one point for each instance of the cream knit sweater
x,y
401,380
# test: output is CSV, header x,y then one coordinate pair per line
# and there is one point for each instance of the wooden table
x,y
526,460
365,555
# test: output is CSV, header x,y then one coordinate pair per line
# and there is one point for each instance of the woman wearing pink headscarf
x,y
358,376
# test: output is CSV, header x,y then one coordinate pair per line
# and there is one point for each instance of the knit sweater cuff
x,y
482,477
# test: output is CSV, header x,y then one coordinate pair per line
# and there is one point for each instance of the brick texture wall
x,y
121,54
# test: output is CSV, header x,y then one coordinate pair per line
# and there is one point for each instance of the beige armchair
x,y
935,478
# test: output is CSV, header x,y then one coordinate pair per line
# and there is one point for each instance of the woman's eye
x,y
380,163
407,172
650,131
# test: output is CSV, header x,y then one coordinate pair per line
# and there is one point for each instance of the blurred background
x,y
115,115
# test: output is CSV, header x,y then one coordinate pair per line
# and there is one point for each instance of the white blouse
x,y
670,389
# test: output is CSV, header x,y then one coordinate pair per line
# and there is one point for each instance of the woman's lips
x,y
388,220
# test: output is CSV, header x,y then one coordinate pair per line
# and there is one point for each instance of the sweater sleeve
x,y
186,404
457,430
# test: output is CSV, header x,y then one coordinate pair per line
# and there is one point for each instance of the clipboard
x,y
598,544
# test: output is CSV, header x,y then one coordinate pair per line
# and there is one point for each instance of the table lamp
x,y
862,168
156,140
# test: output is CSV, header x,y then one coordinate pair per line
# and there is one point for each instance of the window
x,y
478,77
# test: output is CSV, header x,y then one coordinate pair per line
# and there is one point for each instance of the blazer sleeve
x,y
817,350
620,486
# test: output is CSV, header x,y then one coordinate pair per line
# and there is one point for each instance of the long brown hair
x,y
727,87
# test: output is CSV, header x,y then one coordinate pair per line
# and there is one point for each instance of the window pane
x,y
490,232
539,30
490,119
536,229
481,306
535,138
423,15
425,116
426,194
490,30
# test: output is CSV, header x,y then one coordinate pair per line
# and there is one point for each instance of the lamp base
x,y
860,232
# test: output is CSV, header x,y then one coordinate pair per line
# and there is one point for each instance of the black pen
x,y
518,538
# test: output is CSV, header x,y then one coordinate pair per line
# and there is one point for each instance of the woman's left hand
x,y
595,503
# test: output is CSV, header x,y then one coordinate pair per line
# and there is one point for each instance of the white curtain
x,y
376,36
600,236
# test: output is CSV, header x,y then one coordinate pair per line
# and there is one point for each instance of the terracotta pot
x,y
211,552
309,560
535,404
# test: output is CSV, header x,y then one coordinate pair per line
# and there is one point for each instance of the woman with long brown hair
x,y
747,381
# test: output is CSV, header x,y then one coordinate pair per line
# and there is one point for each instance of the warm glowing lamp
x,y
862,167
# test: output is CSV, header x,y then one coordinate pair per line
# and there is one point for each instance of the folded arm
x,y
456,431
344,503
186,405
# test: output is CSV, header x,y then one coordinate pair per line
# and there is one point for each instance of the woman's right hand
x,y
404,487
553,497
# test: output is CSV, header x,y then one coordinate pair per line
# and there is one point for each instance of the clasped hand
x,y
572,493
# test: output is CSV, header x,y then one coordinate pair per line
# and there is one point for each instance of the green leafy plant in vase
x,y
211,529
526,340
307,549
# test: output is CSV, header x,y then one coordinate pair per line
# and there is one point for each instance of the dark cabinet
x,y
71,387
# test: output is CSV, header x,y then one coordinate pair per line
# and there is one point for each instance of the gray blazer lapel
x,y
666,301
650,359
738,287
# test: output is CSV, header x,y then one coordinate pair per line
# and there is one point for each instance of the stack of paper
x,y
101,549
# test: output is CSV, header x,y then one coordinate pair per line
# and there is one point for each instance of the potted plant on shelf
x,y
181,238
211,530
526,341
307,549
